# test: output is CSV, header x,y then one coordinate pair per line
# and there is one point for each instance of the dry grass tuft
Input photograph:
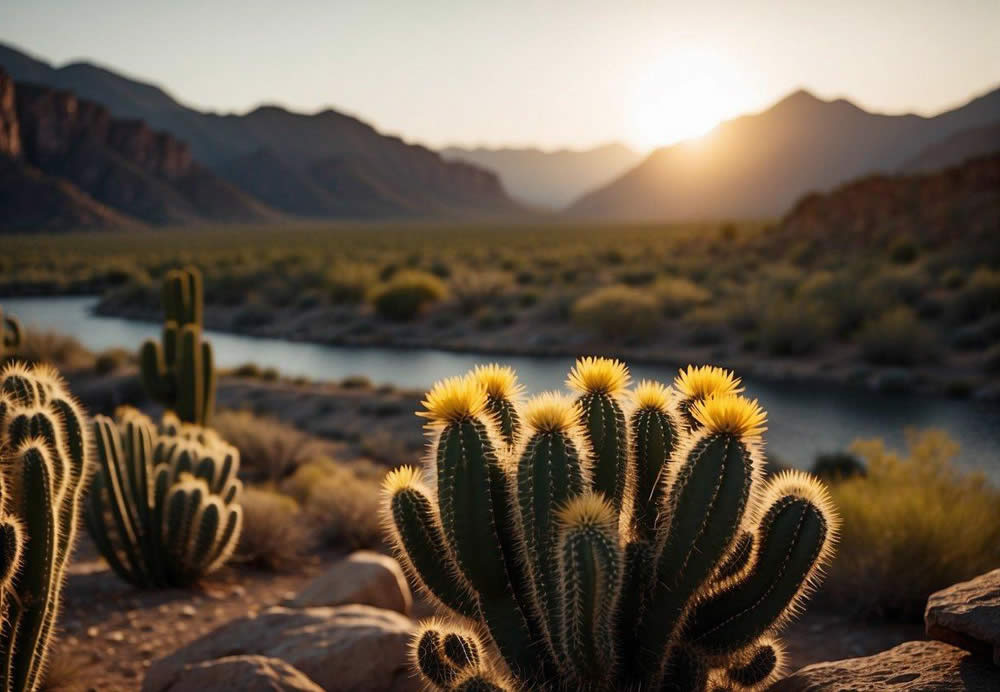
x,y
270,450
913,525
276,533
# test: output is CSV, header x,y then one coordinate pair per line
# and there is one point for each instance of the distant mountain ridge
x,y
67,163
961,146
334,156
758,165
550,179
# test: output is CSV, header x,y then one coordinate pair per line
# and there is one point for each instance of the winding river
x,y
804,419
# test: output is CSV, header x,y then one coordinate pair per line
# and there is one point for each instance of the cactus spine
x,y
164,506
612,541
10,333
179,372
45,454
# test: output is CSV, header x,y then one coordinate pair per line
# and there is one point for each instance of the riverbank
x,y
535,335
906,317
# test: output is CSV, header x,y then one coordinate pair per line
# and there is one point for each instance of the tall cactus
x,y
179,372
45,450
10,333
163,508
612,541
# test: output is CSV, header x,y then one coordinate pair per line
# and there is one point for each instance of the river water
x,y
804,419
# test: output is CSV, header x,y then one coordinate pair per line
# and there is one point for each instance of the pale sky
x,y
528,72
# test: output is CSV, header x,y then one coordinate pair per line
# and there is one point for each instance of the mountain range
x,y
758,165
152,160
550,179
326,165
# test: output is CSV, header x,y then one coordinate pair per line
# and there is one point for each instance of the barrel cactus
x,y
163,508
608,540
44,456
10,333
180,372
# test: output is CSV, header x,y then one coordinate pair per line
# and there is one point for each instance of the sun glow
x,y
683,95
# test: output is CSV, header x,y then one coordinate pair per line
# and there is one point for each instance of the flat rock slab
x,y
363,577
353,648
911,667
968,615
245,673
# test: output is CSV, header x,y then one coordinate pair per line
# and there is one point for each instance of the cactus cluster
x,y
179,372
10,333
610,540
163,507
44,457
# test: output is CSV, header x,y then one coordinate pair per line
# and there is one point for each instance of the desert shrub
x,y
112,359
617,312
846,307
677,295
356,382
269,449
895,285
837,466
913,525
794,327
253,314
991,360
980,296
898,338
61,350
903,250
406,294
473,290
348,283
276,534
705,325
340,501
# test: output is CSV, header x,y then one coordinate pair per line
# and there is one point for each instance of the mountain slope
x,y
550,179
66,153
962,146
958,204
294,143
759,165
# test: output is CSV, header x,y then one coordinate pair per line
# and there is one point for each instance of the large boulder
x,y
968,615
351,648
244,673
363,577
911,667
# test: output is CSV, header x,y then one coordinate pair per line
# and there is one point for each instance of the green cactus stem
x,y
179,371
164,505
603,551
42,430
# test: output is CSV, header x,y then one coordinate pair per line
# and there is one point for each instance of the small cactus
x,y
44,456
615,540
179,372
163,508
10,334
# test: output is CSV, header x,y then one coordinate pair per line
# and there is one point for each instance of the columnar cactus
x,y
180,372
163,508
44,456
612,541
10,333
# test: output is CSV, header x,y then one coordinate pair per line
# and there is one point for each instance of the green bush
x,y
980,296
913,525
898,338
617,312
794,327
677,295
705,325
407,294
276,535
349,283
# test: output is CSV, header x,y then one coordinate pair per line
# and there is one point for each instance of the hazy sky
x,y
528,72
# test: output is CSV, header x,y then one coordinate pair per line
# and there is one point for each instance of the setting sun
x,y
682,96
